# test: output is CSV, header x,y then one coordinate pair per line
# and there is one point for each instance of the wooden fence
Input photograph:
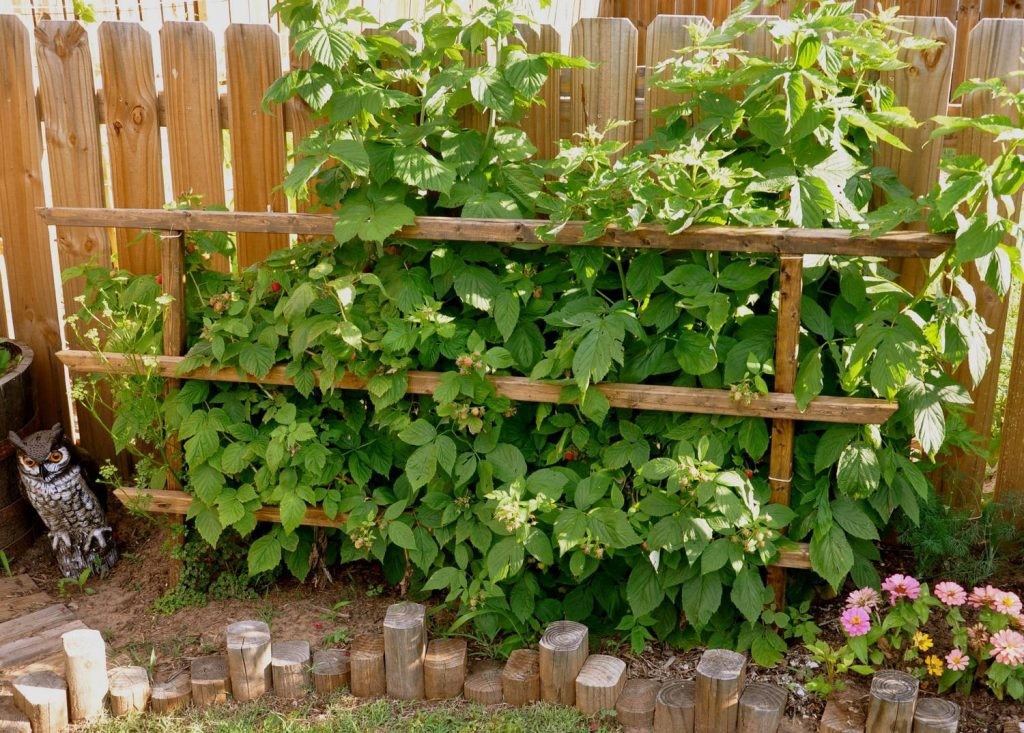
x,y
152,126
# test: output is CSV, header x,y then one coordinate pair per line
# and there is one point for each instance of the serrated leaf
x,y
419,432
264,554
810,379
402,535
256,359
643,591
421,465
831,555
506,313
505,559
417,167
695,353
293,511
748,593
208,525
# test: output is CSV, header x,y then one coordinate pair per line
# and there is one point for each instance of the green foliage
x,y
970,548
522,513
6,361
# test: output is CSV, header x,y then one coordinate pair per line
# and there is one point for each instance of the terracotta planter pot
x,y
18,522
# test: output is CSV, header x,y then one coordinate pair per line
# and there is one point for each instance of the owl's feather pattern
x,y
58,491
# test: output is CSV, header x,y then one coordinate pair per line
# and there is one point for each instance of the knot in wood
x,y
138,114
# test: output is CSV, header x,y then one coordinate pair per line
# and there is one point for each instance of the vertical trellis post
x,y
172,273
787,341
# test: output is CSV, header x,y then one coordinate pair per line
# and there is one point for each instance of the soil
x,y
120,605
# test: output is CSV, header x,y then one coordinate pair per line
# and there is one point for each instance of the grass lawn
x,y
343,713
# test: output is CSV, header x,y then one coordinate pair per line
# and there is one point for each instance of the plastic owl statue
x,y
54,484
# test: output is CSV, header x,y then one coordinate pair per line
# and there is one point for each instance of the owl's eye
x,y
28,462
56,457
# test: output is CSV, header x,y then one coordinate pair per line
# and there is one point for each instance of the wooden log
x,y
43,698
444,668
520,680
405,644
762,707
290,664
599,683
172,695
330,670
891,702
129,690
248,645
563,650
661,398
211,682
484,687
673,708
366,666
936,715
720,677
85,667
12,720
635,706
845,711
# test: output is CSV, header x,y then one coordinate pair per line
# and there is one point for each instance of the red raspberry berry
x,y
275,287
570,455
159,279
750,474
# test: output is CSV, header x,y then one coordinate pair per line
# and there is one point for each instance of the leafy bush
x,y
657,523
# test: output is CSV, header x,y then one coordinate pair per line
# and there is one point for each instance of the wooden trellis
x,y
788,244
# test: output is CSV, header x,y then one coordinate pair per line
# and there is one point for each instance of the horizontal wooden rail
x,y
178,502
764,240
660,398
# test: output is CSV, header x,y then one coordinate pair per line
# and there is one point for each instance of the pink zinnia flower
x,y
1007,647
901,586
856,621
864,598
983,597
957,661
1007,602
951,593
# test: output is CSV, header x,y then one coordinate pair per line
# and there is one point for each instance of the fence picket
x,y
257,137
923,87
994,50
68,103
608,92
541,124
133,135
26,241
665,35
301,125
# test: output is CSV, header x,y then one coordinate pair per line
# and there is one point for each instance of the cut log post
x,y
129,690
892,699
762,707
85,667
405,645
845,712
366,666
290,664
520,680
248,644
484,687
330,670
564,648
635,707
211,683
599,683
43,698
673,708
936,715
172,695
444,668
12,720
720,677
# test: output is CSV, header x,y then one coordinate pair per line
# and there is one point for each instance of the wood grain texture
x,y
43,698
85,664
674,707
444,668
936,715
541,123
129,690
891,702
366,666
762,707
758,42
564,648
994,50
405,644
849,410
607,92
12,720
599,683
484,687
523,232
923,87
171,695
257,136
720,678
300,117
211,681
194,141
330,670
520,680
249,655
665,36
133,135
289,663
635,707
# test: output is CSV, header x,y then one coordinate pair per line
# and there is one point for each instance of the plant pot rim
x,y
22,366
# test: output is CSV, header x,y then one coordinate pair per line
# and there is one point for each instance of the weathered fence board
x,y
26,240
257,136
607,92
133,135
68,103
541,123
665,36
